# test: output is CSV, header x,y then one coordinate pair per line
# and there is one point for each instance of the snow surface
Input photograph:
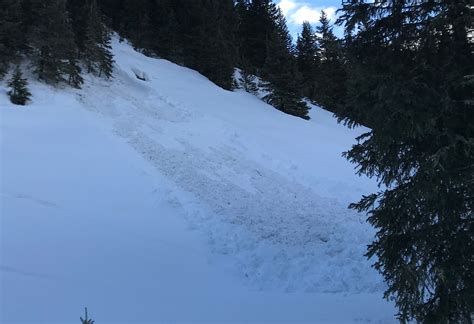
x,y
168,200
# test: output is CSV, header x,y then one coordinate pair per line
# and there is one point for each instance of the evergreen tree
x,y
113,9
248,82
18,93
106,58
280,27
282,86
206,30
280,71
266,50
166,29
52,40
11,36
132,19
255,26
307,60
218,53
411,81
330,74
78,12
140,22
86,319
241,11
97,51
73,72
247,69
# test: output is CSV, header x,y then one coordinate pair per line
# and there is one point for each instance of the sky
x,y
298,11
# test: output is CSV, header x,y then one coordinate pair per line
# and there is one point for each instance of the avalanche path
x,y
172,200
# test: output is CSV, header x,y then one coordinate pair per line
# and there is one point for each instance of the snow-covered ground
x,y
171,200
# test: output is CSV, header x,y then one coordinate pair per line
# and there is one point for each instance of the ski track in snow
x,y
279,233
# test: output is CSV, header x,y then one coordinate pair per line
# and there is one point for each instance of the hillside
x,y
171,200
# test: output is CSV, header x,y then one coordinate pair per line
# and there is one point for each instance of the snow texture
x,y
173,200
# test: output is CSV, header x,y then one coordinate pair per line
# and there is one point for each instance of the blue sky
x,y
297,11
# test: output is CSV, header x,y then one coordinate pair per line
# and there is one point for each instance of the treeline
x,y
59,37
199,34
65,38
214,37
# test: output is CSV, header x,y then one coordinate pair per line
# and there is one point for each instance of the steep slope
x,y
170,199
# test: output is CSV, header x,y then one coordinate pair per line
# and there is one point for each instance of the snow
x,y
169,199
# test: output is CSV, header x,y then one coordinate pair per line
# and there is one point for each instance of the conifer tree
x,y
255,26
86,319
166,29
11,36
106,58
219,53
248,82
307,60
266,50
205,36
97,51
18,93
135,22
280,71
411,81
243,33
52,39
113,10
330,73
282,86
73,72
280,27
78,14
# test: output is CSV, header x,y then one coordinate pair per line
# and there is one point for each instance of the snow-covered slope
x,y
172,200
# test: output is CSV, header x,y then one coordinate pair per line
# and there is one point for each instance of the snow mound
x,y
141,75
